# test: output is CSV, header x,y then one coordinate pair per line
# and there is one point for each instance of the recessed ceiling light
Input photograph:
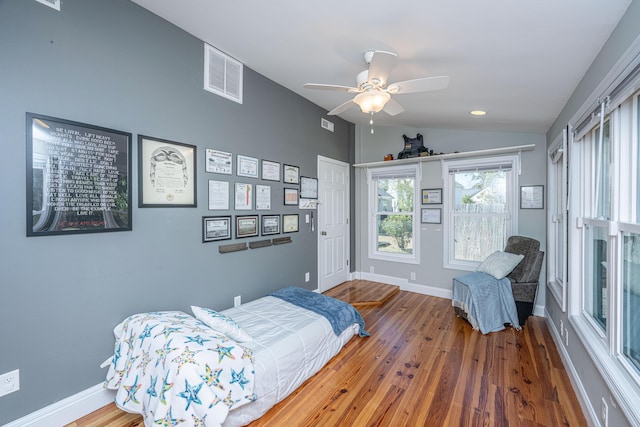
x,y
478,113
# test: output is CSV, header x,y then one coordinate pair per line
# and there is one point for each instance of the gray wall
x,y
430,272
113,64
620,40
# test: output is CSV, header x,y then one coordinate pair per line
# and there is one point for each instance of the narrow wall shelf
x,y
461,155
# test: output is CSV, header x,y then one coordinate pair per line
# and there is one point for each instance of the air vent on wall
x,y
51,3
326,124
222,74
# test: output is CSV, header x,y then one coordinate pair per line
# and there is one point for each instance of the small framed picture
x,y
270,170
243,196
431,216
432,196
247,166
270,224
216,228
290,223
218,161
246,226
532,197
291,174
291,196
308,188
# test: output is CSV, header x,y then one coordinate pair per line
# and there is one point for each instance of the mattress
x,y
290,344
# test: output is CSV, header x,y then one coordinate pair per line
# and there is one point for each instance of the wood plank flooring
x,y
423,366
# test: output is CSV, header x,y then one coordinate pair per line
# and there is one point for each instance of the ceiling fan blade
x,y
393,108
338,88
419,85
381,65
341,108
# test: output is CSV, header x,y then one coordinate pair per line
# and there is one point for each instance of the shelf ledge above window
x,y
462,155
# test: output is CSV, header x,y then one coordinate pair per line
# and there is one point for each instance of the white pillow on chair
x,y
499,264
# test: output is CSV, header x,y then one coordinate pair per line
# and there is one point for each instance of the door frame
x,y
347,201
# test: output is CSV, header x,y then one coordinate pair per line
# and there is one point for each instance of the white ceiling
x,y
519,60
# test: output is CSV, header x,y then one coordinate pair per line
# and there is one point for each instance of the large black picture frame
x,y
78,177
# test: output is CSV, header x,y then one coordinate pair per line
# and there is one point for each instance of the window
x,y
393,227
557,220
605,308
482,209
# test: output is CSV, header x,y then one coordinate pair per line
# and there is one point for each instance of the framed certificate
x,y
166,173
432,196
247,166
290,223
308,188
246,226
218,161
290,196
216,228
218,195
291,174
532,197
270,170
243,196
431,216
270,224
263,197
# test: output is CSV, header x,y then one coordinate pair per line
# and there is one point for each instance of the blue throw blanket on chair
x,y
340,314
488,302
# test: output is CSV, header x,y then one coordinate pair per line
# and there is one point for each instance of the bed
x,y
161,370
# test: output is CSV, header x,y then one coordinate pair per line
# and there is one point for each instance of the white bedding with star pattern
x,y
174,370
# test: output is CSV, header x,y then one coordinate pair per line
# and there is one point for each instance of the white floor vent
x,y
326,124
222,74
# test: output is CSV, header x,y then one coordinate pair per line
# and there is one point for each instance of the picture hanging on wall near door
x,y
78,177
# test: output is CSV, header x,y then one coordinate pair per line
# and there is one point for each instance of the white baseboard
x,y
67,410
405,285
581,393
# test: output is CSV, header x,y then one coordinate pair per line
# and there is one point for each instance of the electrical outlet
x,y
371,269
413,276
9,382
306,276
605,413
237,300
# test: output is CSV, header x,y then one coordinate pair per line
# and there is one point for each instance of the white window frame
x,y
605,347
557,219
449,186
412,169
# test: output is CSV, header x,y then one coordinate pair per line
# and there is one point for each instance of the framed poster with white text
x,y
166,173
78,177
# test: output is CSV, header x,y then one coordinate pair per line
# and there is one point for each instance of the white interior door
x,y
333,222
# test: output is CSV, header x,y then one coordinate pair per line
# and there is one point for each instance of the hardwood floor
x,y
423,366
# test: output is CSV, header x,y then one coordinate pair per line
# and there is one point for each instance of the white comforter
x,y
289,345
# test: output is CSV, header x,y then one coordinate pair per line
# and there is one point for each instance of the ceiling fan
x,y
373,94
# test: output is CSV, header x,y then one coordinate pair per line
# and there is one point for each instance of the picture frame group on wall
x,y
166,173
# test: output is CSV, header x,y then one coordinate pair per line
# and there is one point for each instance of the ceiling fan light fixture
x,y
372,101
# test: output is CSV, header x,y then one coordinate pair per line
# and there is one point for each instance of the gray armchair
x,y
525,276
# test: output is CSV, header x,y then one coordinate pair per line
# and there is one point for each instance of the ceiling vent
x,y
222,74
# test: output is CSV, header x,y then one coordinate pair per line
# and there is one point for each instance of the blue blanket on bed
x,y
340,314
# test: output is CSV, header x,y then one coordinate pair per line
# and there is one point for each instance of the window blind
x,y
505,166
